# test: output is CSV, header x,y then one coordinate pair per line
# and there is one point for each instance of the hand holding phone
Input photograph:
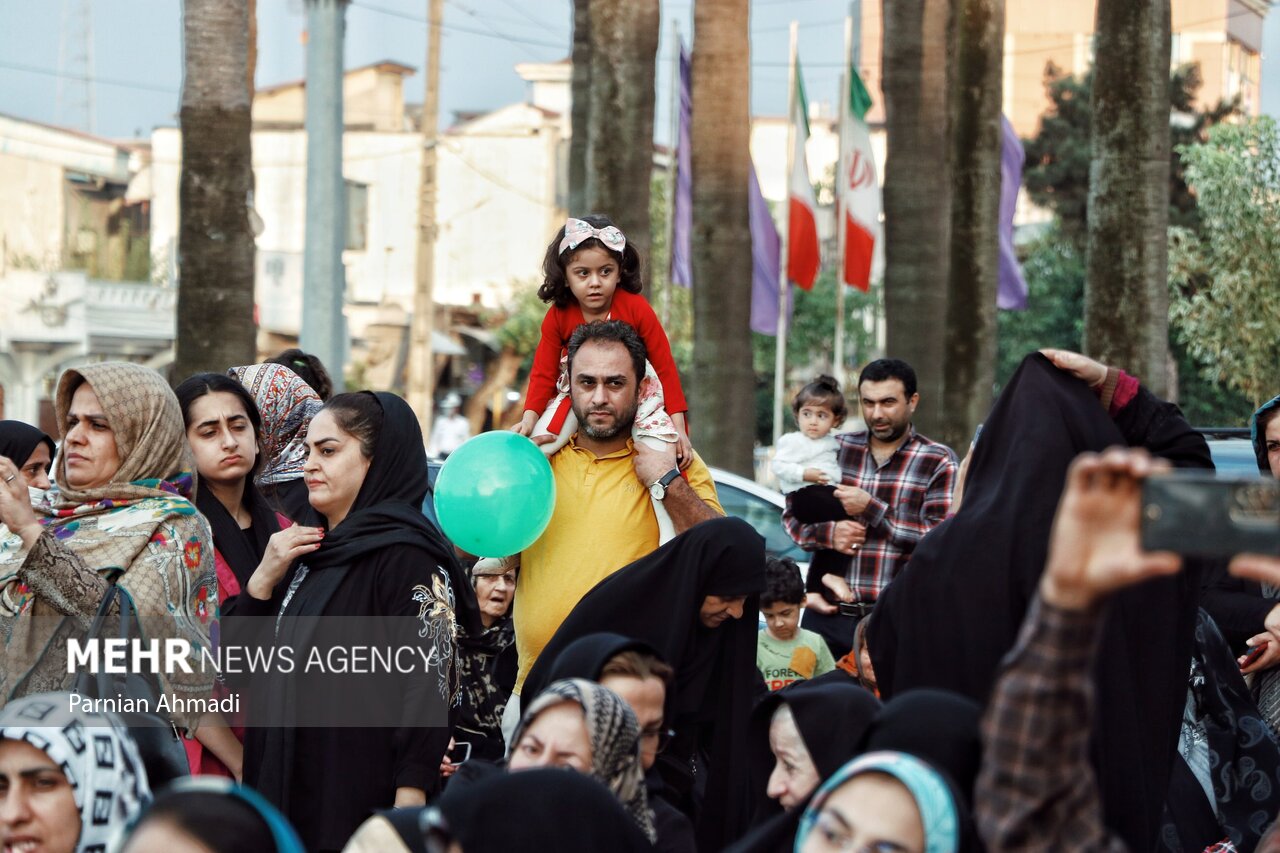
x,y
1199,514
1251,657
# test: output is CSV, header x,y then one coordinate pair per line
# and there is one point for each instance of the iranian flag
x,y
802,225
858,187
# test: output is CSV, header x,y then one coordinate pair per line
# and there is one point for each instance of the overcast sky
x,y
137,53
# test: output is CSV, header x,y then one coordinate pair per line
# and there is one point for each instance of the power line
x,y
525,13
395,13
88,78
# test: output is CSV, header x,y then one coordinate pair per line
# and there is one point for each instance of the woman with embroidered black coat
x,y
331,746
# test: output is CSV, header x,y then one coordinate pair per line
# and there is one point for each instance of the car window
x,y
764,516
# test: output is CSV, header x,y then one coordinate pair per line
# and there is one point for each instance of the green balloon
x,y
495,494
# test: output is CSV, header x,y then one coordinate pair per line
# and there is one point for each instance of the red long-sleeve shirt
x,y
559,324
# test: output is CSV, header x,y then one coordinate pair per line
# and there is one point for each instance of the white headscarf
x,y
96,754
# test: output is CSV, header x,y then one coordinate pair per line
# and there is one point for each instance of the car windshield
x,y
764,516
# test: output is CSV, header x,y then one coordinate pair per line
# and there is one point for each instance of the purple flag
x,y
766,254
1012,293
682,207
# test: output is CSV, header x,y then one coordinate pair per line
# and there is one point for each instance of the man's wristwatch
x,y
658,490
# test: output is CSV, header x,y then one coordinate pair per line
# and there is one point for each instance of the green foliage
x,y
1057,178
811,345
1225,301
1054,269
523,324
1057,169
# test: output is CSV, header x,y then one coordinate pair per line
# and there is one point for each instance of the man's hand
x,y
1094,373
1259,567
848,536
1094,548
651,464
815,602
853,498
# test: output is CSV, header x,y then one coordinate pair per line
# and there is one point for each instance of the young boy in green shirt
x,y
785,652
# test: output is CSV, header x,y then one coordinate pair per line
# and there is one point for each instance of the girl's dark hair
x,y
309,369
358,413
201,384
555,284
222,822
823,391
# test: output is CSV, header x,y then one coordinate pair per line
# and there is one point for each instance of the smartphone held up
x,y
1197,514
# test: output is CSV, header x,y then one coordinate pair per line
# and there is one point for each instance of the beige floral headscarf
x,y
141,527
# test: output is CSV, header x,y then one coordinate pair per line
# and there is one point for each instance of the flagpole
x,y
841,236
780,357
672,166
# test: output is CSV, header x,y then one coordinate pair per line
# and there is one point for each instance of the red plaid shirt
x,y
910,495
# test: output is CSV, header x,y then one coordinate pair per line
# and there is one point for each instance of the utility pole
x,y
324,328
421,361
784,284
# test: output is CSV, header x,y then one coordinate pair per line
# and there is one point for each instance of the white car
x,y
761,507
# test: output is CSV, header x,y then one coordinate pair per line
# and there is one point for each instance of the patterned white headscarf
x,y
96,754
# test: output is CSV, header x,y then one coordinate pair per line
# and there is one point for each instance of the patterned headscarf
x,y
287,405
615,741
930,791
141,525
96,754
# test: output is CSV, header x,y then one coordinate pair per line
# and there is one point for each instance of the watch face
x,y
658,491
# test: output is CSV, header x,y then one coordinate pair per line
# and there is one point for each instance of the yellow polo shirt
x,y
603,520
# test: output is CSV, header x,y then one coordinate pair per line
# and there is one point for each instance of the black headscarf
x,y
656,600
241,549
387,511
19,440
586,656
972,578
936,726
539,810
832,718
1243,756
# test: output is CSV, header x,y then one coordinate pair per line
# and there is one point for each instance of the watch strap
x,y
668,478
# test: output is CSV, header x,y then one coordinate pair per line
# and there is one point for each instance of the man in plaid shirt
x,y
896,485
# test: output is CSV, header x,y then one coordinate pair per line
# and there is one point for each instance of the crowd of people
x,y
980,656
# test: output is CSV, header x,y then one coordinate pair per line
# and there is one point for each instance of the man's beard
x,y
895,432
622,422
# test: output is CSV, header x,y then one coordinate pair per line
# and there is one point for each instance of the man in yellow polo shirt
x,y
603,518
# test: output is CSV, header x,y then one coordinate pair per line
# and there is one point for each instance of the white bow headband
x,y
577,232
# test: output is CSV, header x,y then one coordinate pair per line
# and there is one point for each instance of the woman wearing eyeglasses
x,y
487,666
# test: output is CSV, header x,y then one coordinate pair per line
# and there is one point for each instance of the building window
x,y
357,216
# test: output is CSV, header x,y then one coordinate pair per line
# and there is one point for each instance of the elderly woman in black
x,y
328,749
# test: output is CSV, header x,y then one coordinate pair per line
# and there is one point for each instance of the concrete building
x,y
1223,36
500,196
73,230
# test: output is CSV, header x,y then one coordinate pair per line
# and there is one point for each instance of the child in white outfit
x,y
809,456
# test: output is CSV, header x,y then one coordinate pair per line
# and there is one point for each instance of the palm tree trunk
x,y
580,109
970,359
723,383
917,193
619,156
1126,292
216,326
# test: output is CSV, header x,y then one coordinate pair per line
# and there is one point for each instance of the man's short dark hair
x,y
610,331
889,368
782,582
